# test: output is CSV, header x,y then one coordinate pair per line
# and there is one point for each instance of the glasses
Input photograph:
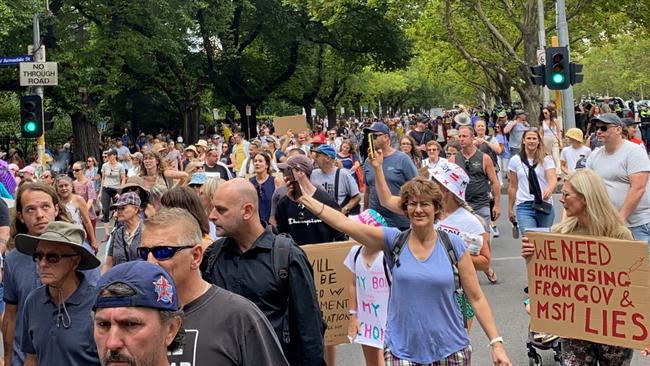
x,y
89,161
161,253
52,258
46,177
377,135
603,128
76,170
423,205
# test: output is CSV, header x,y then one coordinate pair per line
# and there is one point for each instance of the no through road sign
x,y
38,73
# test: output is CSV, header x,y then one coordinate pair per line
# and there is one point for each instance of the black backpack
x,y
402,239
281,257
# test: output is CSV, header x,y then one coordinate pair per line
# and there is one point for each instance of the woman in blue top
x,y
425,325
265,183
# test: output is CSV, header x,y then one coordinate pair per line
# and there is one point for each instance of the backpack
x,y
402,239
281,257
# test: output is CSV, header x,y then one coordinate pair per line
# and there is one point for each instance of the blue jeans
x,y
641,232
529,218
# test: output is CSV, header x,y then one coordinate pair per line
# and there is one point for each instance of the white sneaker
x,y
495,231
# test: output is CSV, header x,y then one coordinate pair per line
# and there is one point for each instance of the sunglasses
x,y
603,128
161,253
46,176
76,170
51,258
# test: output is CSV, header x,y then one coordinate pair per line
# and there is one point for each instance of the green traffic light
x,y
30,126
558,78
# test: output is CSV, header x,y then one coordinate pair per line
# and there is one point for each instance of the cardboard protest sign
x,y
332,279
591,288
295,123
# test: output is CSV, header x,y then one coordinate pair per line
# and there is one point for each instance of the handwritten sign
x,y
295,123
332,280
591,288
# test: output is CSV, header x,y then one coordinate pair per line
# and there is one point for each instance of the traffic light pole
x,y
39,56
542,43
568,111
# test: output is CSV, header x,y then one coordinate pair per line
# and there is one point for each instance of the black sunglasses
x,y
603,128
76,170
52,258
161,253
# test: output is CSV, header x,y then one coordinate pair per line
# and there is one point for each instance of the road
x,y
506,300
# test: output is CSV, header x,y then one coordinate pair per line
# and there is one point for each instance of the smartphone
x,y
293,182
371,146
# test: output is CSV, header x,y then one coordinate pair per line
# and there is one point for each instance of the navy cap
x,y
377,127
327,150
154,288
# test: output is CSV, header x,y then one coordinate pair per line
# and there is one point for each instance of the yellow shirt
x,y
240,156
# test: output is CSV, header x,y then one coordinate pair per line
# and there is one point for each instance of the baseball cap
x,y
627,121
154,288
128,198
377,127
452,177
298,162
28,169
575,133
63,233
110,152
326,150
609,118
198,178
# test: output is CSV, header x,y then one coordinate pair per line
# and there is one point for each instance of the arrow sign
x,y
14,60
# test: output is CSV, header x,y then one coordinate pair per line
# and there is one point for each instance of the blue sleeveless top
x,y
264,194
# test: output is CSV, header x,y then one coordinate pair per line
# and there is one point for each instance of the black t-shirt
x,y
303,226
223,171
421,138
223,328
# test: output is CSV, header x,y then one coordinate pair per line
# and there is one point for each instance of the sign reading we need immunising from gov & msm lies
x,y
591,288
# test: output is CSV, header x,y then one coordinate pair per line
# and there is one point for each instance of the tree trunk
x,y
310,120
86,138
249,123
190,113
331,116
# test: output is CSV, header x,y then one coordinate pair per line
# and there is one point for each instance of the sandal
x,y
491,276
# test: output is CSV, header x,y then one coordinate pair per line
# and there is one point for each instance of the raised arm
x,y
386,198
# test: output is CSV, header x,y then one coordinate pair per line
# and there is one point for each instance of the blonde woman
x,y
589,212
551,132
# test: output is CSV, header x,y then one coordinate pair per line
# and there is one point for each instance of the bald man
x,y
271,271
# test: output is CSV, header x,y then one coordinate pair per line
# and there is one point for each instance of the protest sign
x,y
591,288
294,123
332,280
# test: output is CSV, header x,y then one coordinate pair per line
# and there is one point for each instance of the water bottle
x,y
515,230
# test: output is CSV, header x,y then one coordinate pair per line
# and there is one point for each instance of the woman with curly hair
x,y
408,146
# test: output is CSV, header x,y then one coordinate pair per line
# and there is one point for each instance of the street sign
x,y
248,111
101,126
39,73
14,60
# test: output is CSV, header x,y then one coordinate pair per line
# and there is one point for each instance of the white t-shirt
x,y
372,298
615,169
523,191
572,157
459,221
429,165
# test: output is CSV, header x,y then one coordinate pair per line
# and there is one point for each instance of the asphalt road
x,y
506,300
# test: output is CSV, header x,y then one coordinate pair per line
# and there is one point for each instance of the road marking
x,y
506,259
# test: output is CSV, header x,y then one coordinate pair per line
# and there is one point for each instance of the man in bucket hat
x,y
57,317
137,316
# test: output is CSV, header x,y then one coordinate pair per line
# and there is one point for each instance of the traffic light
x,y
558,73
576,73
539,76
48,120
31,116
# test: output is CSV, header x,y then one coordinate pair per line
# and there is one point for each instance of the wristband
x,y
352,312
495,340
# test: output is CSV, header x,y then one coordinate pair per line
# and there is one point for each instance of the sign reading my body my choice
x,y
591,288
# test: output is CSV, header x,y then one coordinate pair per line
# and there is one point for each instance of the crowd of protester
x,y
224,218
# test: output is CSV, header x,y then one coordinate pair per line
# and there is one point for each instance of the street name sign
x,y
14,60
